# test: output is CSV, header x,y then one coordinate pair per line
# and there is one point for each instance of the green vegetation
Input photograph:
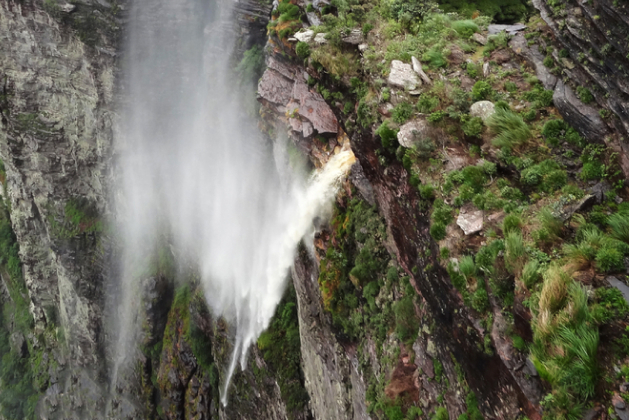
x,y
281,349
509,129
251,66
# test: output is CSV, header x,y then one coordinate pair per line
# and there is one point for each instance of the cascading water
x,y
194,166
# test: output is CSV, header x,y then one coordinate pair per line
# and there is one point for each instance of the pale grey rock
x,y
363,47
486,69
510,29
313,19
355,37
482,40
417,67
304,36
470,219
402,76
482,109
320,38
431,349
67,7
412,132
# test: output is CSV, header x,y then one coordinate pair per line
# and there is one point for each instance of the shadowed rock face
x,y
594,35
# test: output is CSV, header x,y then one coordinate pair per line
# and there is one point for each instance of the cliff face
x,y
383,320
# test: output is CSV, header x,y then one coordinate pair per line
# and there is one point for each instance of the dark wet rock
x,y
599,190
584,118
519,44
594,36
529,368
580,205
622,287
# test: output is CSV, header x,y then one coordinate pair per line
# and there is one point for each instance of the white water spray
x,y
194,166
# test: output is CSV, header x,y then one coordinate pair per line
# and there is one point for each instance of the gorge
x,y
182,236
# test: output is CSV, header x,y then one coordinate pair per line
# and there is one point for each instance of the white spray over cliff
x,y
195,167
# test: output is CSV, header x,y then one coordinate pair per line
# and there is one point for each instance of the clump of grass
x,y
619,225
515,252
465,28
509,128
531,274
511,223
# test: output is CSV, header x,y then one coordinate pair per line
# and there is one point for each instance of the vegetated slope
x,y
532,275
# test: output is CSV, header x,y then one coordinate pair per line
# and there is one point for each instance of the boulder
x,y
482,109
413,131
402,76
479,38
417,67
470,219
355,37
320,38
305,36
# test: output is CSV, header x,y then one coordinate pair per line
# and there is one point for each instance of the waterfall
x,y
194,166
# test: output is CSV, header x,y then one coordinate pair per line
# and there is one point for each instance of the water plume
x,y
195,169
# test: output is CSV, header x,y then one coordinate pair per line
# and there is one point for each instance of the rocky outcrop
x,y
591,49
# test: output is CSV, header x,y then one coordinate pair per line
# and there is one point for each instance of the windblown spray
x,y
195,166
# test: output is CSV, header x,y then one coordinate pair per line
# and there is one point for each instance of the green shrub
x,y
591,171
436,116
481,90
475,177
427,103
402,112
303,50
510,87
438,231
509,128
529,115
441,414
427,191
584,94
441,212
473,127
406,320
434,58
609,260
547,174
388,136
